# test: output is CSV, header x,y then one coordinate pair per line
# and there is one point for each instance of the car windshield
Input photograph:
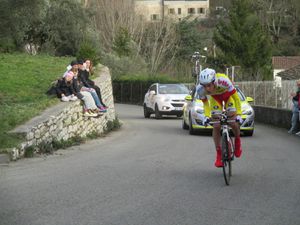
x,y
240,93
172,89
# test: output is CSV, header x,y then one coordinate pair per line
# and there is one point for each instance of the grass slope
x,y
24,79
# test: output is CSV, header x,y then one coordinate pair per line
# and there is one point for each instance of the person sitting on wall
x,y
68,90
83,86
53,89
84,75
65,88
72,67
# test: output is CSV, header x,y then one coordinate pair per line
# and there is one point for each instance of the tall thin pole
x,y
163,9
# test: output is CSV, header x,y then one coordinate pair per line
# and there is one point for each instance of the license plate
x,y
178,108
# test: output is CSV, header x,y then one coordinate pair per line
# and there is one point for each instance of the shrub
x,y
62,144
87,51
112,125
124,65
7,45
29,152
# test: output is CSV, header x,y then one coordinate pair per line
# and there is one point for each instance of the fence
x,y
132,93
264,93
269,93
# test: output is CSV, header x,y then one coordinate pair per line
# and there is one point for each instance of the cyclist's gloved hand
x,y
206,121
239,119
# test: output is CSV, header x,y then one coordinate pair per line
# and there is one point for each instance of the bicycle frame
x,y
227,146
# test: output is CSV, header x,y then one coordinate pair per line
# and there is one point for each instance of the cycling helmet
x,y
207,76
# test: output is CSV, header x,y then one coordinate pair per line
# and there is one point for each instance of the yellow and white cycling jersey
x,y
224,92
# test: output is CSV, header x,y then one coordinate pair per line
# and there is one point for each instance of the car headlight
x,y
247,112
167,99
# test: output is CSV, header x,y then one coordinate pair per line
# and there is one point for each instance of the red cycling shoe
x,y
218,162
238,147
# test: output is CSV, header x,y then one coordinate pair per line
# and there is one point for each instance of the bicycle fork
x,y
228,149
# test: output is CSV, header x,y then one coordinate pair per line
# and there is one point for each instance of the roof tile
x,y
285,62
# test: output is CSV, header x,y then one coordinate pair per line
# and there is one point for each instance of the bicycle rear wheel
x,y
226,157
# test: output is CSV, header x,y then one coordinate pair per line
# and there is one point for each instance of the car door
x,y
190,104
152,96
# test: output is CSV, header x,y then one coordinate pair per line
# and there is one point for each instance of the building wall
x,y
277,78
183,9
153,9
148,9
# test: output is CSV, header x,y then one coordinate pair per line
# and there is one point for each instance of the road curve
x,y
151,172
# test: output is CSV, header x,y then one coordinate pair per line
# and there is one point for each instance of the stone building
x,y
155,10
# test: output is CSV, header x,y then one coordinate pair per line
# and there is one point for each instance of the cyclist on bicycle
x,y
221,89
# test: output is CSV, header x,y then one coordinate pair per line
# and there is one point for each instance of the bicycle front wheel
x,y
226,157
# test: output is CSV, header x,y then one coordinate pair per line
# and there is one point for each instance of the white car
x,y
165,99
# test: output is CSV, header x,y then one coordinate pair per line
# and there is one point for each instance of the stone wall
x,y
273,116
65,120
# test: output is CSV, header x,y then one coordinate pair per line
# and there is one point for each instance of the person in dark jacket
x,y
68,90
72,67
295,110
65,88
84,70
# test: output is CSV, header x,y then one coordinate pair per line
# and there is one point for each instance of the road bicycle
x,y
227,146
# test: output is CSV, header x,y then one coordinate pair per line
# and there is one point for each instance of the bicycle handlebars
x,y
223,120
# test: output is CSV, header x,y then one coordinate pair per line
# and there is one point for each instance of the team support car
x,y
193,115
165,99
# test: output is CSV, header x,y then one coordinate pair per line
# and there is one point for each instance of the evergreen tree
x,y
66,24
244,42
190,39
121,44
20,23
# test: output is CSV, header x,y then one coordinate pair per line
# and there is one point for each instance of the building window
x,y
191,11
179,11
172,11
201,10
154,17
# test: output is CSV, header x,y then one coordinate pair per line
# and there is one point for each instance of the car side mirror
x,y
152,92
188,98
249,99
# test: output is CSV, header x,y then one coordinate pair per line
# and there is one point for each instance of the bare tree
x,y
273,14
86,3
295,18
156,42
111,16
159,44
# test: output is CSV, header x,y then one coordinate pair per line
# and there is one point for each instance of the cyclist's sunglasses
x,y
208,85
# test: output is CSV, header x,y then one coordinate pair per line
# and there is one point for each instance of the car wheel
x,y
248,133
184,125
191,129
157,113
146,112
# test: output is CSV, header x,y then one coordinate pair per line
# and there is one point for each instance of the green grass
x,y
24,79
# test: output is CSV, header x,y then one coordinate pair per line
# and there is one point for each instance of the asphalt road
x,y
151,172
